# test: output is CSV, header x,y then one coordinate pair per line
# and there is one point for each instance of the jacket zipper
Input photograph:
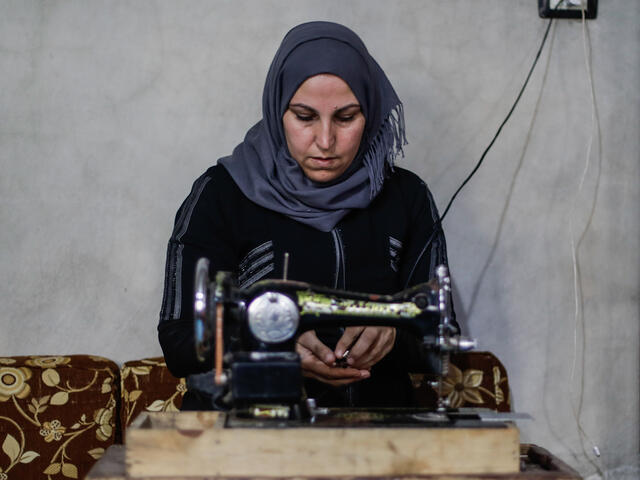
x,y
340,282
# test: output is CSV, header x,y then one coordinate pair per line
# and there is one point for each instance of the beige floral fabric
x,y
475,379
56,415
148,386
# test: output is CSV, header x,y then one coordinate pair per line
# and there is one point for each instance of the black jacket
x,y
394,243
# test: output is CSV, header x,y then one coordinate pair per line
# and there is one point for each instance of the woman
x,y
313,178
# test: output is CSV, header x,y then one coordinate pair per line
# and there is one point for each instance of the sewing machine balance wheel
x,y
202,308
202,332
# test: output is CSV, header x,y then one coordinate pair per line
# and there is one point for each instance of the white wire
x,y
578,313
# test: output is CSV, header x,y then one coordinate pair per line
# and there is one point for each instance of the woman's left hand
x,y
371,345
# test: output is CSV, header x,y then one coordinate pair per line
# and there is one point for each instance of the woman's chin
x,y
323,171
322,176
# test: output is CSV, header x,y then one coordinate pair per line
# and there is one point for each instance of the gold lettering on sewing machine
x,y
316,304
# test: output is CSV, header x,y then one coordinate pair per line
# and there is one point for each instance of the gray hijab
x,y
261,165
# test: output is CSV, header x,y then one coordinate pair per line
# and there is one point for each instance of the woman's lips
x,y
324,159
323,163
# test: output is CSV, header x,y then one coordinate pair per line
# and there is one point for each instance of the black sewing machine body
x,y
253,331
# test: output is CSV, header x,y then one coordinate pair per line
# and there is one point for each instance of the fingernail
x,y
365,374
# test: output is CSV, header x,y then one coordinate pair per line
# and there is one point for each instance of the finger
x,y
347,339
367,340
311,342
336,383
383,346
312,366
335,376
326,376
368,359
380,346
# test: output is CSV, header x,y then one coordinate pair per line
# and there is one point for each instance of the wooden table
x,y
536,464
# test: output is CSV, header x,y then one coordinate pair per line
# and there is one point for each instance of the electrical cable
x,y
577,283
514,177
438,224
484,154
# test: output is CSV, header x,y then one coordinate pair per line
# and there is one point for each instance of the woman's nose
x,y
325,136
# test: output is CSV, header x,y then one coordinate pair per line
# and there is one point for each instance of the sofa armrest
x,y
147,385
57,414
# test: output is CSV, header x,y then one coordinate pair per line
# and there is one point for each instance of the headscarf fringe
x,y
387,144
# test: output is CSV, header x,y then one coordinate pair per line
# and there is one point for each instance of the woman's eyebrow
x,y
301,105
307,107
346,107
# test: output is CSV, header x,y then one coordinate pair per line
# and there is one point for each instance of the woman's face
x,y
323,127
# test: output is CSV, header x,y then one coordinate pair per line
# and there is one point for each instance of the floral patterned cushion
x,y
475,379
57,415
148,386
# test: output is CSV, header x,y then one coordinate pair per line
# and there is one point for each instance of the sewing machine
x,y
259,326
271,430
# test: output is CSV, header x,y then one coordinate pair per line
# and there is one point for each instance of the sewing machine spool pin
x,y
285,268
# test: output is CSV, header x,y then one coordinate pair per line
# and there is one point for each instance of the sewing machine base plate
x,y
369,418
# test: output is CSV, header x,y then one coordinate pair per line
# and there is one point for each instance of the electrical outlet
x,y
567,8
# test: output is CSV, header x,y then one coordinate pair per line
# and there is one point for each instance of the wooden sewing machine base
x,y
197,445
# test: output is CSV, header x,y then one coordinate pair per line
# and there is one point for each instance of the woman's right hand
x,y
318,361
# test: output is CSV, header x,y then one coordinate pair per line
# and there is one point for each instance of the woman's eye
x,y
304,118
346,118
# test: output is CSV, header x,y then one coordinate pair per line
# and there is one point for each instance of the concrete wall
x,y
109,110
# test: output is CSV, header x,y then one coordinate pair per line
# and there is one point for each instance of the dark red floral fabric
x,y
57,414
148,386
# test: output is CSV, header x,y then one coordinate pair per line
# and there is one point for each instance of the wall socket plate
x,y
567,9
